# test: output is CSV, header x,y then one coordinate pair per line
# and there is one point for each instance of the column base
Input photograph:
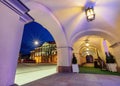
x,y
14,85
64,69
118,69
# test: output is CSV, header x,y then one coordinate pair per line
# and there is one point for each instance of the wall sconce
x,y
90,14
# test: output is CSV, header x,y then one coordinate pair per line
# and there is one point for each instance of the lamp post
x,y
90,14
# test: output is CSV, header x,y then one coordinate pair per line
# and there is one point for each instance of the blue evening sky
x,y
32,32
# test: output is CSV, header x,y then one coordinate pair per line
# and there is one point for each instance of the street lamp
x,y
36,43
90,14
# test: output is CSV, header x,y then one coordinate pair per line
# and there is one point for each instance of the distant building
x,y
46,53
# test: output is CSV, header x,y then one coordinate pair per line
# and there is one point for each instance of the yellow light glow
x,y
91,11
87,53
90,17
87,49
36,42
88,13
87,44
93,0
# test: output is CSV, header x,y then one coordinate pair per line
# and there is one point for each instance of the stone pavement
x,y
30,72
76,79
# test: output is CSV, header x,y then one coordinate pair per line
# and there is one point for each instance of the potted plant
x,y
109,58
110,61
75,67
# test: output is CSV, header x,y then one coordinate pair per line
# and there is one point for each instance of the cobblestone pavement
x,y
76,79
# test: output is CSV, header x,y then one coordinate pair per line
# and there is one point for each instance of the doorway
x,y
89,59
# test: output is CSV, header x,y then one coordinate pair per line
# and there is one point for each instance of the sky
x,y
34,32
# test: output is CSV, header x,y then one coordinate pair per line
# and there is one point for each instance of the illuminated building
x,y
45,54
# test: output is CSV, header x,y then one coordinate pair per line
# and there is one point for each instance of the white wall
x,y
11,30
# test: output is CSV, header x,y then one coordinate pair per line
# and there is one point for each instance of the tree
x,y
74,60
109,58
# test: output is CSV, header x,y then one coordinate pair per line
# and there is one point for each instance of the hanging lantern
x,y
90,14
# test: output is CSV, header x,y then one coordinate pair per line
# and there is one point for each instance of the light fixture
x,y
87,44
36,42
87,53
90,14
87,49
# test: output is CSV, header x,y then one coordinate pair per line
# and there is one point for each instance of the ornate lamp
x,y
90,14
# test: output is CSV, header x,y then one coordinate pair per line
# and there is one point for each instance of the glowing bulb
x,y
36,42
87,44
87,53
87,49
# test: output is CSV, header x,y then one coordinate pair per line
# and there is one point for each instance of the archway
x,y
38,54
92,46
97,32
43,15
89,58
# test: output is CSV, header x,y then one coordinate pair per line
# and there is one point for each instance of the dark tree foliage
x,y
109,58
74,60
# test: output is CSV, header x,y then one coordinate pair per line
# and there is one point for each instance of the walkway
x,y
45,75
73,79
28,72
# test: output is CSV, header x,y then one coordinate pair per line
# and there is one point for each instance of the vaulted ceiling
x,y
66,19
70,14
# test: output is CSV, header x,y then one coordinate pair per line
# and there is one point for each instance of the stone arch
x,y
45,17
97,32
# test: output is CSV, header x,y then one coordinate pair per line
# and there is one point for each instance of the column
x,y
103,50
105,47
11,30
64,59
116,51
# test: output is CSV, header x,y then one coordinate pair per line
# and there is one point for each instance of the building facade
x,y
46,53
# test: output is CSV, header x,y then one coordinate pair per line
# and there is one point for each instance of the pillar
x,y
103,49
11,29
116,52
64,59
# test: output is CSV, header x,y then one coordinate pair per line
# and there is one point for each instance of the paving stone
x,y
71,79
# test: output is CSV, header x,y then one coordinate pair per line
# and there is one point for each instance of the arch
x,y
45,17
89,58
97,32
93,48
